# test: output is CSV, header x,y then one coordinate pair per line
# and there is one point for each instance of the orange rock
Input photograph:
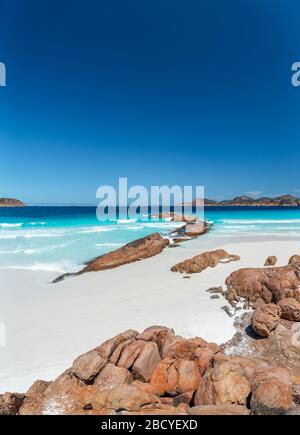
x,y
146,362
123,397
87,366
223,385
109,346
204,260
290,309
204,356
134,251
267,284
205,392
176,376
271,397
145,386
189,376
111,376
294,259
10,403
271,261
265,319
282,374
179,347
130,353
160,375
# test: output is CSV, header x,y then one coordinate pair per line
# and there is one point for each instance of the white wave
x,y
33,235
5,225
95,230
61,267
8,236
21,224
32,251
30,236
126,221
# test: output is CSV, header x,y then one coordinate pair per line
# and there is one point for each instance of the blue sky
x,y
162,92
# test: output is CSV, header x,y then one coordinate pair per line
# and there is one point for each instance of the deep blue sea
x,y
63,238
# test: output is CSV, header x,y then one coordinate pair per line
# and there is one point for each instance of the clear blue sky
x,y
160,91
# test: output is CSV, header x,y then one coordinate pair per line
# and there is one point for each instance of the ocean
x,y
62,239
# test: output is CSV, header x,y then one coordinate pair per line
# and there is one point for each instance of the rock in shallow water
x,y
134,251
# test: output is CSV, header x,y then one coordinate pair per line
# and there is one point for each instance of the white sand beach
x,y
48,325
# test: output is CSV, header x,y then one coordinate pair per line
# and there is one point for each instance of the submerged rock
x,y
134,251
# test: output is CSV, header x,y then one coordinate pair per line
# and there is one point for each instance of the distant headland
x,y
246,201
11,202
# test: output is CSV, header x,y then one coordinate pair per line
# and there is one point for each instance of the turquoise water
x,y
63,238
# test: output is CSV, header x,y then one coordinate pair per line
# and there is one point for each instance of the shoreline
x,y
48,325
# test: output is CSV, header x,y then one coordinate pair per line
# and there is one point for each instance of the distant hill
x,y
279,201
11,202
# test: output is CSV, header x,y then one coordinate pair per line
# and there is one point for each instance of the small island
x,y
11,202
247,201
